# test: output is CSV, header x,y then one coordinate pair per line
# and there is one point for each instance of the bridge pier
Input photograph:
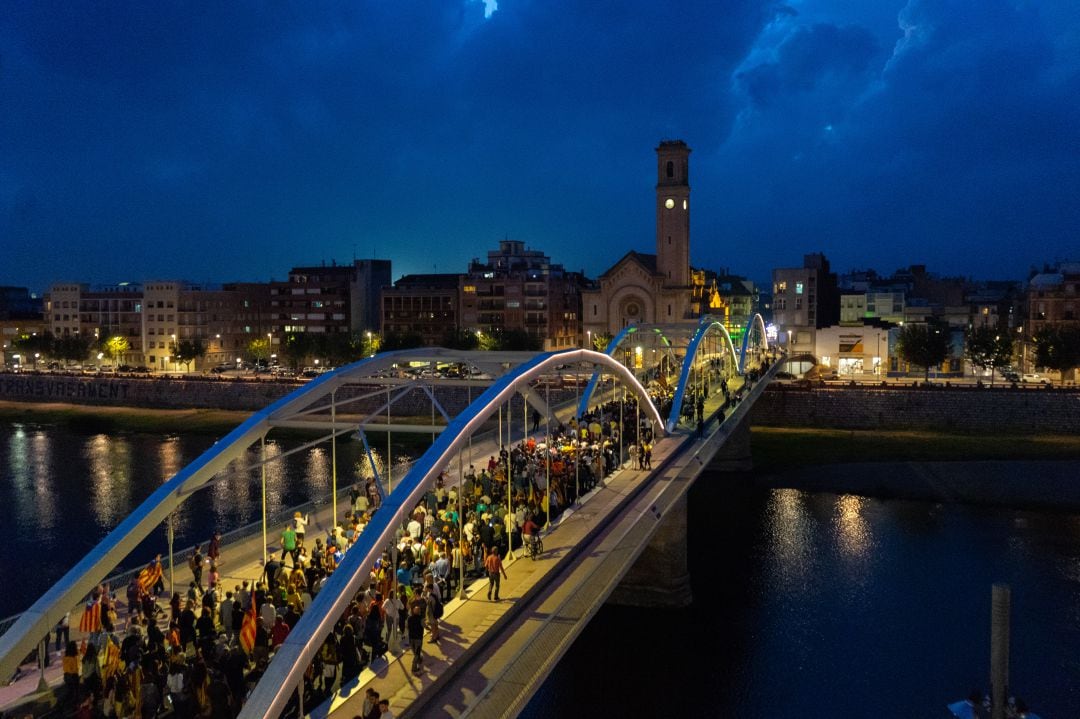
x,y
734,454
660,577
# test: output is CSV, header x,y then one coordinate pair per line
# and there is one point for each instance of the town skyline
x,y
213,147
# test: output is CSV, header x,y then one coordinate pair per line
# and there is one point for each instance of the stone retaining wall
x,y
963,409
227,394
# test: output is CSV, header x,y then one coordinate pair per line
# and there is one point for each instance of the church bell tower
x,y
673,212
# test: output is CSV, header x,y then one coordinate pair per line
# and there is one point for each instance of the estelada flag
x,y
149,576
91,618
247,629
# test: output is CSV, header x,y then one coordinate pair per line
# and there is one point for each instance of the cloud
x,y
935,146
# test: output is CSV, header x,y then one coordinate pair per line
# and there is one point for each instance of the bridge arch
x,y
760,323
705,328
298,650
616,341
25,633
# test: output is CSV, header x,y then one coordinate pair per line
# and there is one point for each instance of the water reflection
x,y
41,464
852,530
109,462
789,529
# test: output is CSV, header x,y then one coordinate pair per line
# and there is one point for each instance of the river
x,y
806,603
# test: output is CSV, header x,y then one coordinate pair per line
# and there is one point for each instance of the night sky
x,y
231,141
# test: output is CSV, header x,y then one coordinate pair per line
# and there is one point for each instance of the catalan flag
x,y
247,629
91,618
112,658
149,576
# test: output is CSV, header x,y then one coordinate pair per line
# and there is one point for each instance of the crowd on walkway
x,y
199,653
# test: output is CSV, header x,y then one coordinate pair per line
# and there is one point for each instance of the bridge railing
x,y
121,577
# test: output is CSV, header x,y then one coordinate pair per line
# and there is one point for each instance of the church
x,y
658,288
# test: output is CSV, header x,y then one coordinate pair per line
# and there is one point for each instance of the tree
x,y
518,340
600,341
259,349
988,348
295,348
115,347
31,344
923,345
1057,347
370,344
187,351
459,339
395,341
339,348
71,348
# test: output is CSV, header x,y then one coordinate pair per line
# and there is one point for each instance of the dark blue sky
x,y
225,141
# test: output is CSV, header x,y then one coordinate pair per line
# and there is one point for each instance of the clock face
x,y
669,203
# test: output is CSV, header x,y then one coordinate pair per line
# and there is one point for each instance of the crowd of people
x,y
200,653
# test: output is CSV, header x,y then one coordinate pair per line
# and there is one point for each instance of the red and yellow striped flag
x,y
149,577
91,618
247,629
112,658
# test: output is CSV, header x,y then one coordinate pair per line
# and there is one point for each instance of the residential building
x,y
805,299
98,312
423,304
330,299
520,289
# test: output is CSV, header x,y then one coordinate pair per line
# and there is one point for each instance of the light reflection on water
x,y
65,490
819,604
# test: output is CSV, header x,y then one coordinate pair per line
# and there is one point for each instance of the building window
x,y
670,169
798,288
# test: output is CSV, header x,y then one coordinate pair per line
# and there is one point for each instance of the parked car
x,y
1034,378
1010,375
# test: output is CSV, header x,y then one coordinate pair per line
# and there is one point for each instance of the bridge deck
x,y
496,675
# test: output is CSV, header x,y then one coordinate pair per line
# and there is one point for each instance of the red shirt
x,y
278,633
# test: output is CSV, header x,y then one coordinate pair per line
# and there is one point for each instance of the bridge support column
x,y
660,577
734,455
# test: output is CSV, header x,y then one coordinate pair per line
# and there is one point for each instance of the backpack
x,y
436,606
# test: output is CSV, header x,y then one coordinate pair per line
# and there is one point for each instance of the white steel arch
x,y
25,633
272,693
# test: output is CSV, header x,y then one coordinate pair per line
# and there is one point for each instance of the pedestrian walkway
x,y
466,620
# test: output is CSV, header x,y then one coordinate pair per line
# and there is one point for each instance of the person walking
x,y
289,543
195,563
415,626
213,551
495,571
300,523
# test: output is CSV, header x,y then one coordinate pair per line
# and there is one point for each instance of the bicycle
x,y
534,547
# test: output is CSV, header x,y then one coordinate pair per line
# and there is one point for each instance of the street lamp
x,y
36,356
370,348
588,341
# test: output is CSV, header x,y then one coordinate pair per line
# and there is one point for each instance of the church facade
x,y
658,288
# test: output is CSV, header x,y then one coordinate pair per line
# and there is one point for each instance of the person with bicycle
x,y
531,531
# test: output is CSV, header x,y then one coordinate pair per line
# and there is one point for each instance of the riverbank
x,y
123,419
776,449
1019,472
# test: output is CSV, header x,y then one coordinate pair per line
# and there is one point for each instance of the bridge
x,y
657,372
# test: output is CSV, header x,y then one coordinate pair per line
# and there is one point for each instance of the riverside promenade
x,y
468,616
